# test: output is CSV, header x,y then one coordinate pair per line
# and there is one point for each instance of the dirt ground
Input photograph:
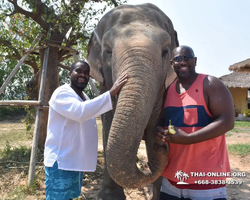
x,y
234,192
239,164
92,181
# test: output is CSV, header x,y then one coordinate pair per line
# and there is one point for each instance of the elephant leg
x,y
156,188
150,141
157,184
110,190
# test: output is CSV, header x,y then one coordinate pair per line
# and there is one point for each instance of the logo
x,y
207,177
181,176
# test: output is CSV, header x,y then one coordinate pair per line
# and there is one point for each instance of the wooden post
x,y
38,119
16,103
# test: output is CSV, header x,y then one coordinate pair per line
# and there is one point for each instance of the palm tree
x,y
185,176
181,176
178,174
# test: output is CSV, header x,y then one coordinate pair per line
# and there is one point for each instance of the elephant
x,y
137,40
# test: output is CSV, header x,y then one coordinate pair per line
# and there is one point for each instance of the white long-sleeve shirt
x,y
72,138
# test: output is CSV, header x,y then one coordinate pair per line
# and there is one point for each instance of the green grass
x,y
14,133
18,153
242,124
239,149
21,192
15,150
14,137
14,161
241,127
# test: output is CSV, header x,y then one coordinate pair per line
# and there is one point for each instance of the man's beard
x,y
184,74
79,86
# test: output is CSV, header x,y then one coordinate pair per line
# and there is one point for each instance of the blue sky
x,y
217,30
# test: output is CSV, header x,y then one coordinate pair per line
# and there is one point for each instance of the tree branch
x,y
16,55
32,63
65,57
32,50
62,47
64,66
61,53
35,16
114,2
76,5
8,44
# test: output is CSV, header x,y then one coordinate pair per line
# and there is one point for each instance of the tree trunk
x,y
51,83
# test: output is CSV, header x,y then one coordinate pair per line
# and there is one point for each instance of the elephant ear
x,y
94,57
171,75
176,38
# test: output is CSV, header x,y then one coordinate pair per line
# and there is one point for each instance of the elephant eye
x,y
164,53
107,54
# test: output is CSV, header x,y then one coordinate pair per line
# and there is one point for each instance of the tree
x,y
70,21
15,89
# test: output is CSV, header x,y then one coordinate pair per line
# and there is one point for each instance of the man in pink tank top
x,y
201,109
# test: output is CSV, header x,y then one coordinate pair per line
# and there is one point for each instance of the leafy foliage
x,y
21,21
16,87
29,118
64,26
246,112
21,154
10,112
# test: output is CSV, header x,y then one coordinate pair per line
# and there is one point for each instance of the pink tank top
x,y
206,160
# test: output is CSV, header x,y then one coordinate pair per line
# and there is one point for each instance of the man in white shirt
x,y
72,139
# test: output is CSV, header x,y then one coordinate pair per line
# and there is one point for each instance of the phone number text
x,y
218,182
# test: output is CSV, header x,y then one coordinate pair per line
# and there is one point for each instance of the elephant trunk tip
x,y
139,176
160,159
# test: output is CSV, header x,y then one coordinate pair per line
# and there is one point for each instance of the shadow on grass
x,y
11,114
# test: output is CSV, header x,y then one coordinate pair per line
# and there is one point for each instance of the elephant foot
x,y
111,194
156,189
110,190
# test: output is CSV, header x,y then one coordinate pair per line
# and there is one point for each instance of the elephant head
x,y
137,40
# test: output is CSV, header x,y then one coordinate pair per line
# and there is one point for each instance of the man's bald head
x,y
182,48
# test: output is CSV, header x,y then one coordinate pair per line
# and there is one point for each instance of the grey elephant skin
x,y
137,40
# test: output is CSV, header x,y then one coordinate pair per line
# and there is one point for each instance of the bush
x,y
11,112
246,112
18,153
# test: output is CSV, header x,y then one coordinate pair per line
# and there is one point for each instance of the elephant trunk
x,y
128,127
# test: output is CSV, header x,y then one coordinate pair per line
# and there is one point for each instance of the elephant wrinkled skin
x,y
137,40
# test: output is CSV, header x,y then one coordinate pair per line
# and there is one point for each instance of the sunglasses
x,y
186,58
